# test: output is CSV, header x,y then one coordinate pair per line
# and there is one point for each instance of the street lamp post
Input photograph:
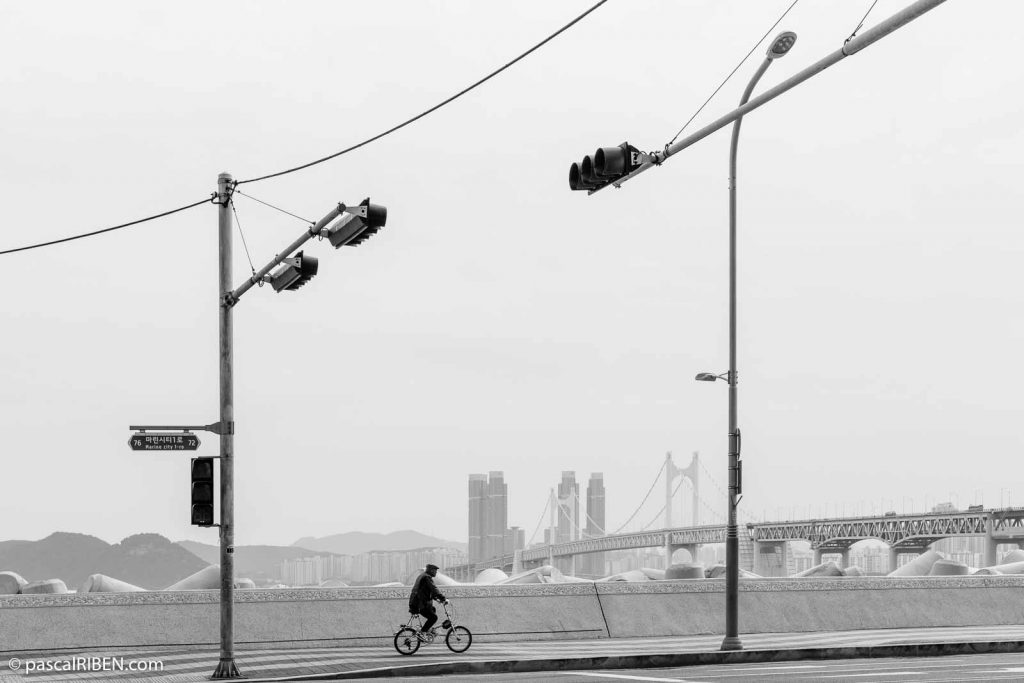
x,y
780,46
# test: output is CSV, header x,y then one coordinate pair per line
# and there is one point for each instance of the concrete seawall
x,y
369,616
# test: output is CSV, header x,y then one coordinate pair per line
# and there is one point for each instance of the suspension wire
x,y
239,224
701,108
115,227
674,491
861,24
658,476
432,109
304,220
541,520
599,527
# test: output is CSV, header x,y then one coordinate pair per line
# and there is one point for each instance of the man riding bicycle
x,y
421,600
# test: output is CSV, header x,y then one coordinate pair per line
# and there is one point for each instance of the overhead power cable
x,y
326,158
115,227
428,111
701,108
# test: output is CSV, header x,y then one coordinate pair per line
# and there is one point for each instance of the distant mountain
x,y
256,562
355,542
146,560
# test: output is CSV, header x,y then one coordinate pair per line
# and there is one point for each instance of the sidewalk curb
x,y
665,660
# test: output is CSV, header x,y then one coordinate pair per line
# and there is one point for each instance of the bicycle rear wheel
x,y
406,641
458,639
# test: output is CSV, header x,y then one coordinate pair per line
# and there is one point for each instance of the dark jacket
x,y
423,592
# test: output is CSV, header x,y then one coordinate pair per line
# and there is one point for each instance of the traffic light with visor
x,y
202,491
604,167
356,228
295,272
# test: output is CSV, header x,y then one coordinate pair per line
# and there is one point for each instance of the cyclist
x,y
421,599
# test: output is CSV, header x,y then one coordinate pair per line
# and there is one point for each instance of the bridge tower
x,y
671,474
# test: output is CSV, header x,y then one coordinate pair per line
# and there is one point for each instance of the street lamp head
x,y
781,45
706,377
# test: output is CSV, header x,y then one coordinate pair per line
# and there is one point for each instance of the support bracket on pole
x,y
217,428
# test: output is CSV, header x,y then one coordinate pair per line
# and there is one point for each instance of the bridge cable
x,y
674,491
658,476
540,521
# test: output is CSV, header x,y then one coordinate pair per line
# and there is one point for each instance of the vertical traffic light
x,y
202,491
606,166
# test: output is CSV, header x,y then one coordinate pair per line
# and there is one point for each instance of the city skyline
x,y
500,321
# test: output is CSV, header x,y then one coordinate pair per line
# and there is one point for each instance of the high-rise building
x,y
477,497
567,527
496,515
594,563
489,535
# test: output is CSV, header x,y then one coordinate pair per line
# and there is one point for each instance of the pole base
x,y
731,643
226,669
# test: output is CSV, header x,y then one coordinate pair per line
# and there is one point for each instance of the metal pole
x,y
855,45
732,544
226,667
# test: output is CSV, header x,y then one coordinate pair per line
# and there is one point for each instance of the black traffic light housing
x,y
202,491
604,167
296,271
354,229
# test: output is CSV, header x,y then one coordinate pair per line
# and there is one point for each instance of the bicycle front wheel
x,y
458,639
406,641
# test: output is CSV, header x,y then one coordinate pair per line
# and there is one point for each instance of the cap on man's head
x,y
432,567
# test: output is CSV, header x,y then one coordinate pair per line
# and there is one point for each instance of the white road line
x,y
879,673
621,677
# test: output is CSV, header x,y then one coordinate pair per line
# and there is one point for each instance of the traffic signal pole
x,y
226,666
850,47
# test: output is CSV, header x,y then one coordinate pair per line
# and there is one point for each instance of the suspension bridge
x,y
764,545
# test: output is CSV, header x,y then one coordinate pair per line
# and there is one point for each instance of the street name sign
x,y
164,441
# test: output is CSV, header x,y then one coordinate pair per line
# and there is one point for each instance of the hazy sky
x,y
500,321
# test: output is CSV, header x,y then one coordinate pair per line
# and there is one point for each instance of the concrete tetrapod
x,y
45,586
718,572
631,575
101,583
1012,557
685,570
919,566
207,578
949,568
824,569
489,576
11,583
1011,568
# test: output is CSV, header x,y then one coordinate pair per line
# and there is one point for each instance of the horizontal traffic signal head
x,y
295,272
359,224
605,166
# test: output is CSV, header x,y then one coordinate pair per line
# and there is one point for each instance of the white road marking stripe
x,y
879,673
621,677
